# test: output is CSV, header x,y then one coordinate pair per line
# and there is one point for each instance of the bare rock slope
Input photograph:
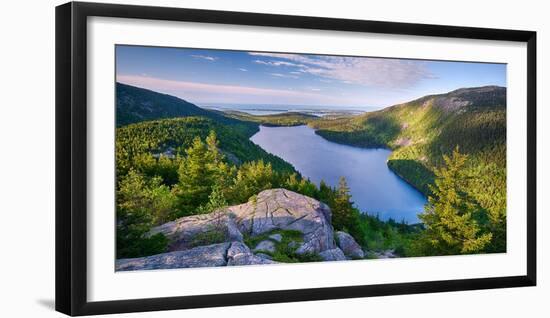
x,y
286,210
271,211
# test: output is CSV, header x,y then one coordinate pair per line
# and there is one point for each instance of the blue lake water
x,y
374,187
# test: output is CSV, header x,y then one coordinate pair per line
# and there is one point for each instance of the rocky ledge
x,y
274,220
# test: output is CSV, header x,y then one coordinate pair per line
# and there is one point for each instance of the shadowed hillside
x,y
420,132
134,104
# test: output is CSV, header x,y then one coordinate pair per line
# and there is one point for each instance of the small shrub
x,y
284,252
209,237
309,257
370,255
400,250
144,246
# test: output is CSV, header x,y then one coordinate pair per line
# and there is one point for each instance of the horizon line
x,y
319,105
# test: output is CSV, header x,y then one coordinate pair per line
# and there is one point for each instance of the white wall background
x,y
27,158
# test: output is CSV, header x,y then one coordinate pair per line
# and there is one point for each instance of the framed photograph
x,y
209,158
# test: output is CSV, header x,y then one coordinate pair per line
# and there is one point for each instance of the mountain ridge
x,y
383,128
135,104
422,132
483,96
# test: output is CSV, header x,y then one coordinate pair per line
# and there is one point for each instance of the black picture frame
x,y
71,157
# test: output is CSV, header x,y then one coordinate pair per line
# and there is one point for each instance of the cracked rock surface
x,y
286,210
274,209
202,256
183,231
240,254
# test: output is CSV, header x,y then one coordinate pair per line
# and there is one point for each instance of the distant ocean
x,y
267,109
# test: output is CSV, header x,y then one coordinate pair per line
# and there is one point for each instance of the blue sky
x,y
219,76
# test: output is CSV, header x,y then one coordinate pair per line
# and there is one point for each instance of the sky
x,y
209,77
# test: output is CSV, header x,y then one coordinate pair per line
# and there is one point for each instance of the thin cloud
x,y
183,88
220,93
243,70
278,63
366,71
205,57
283,75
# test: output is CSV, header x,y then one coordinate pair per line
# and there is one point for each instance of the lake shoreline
x,y
344,144
373,188
377,147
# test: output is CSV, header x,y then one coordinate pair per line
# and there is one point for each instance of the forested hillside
x,y
164,126
282,119
421,132
174,158
134,104
140,146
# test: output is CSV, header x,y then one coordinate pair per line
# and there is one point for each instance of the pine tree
x,y
221,172
252,178
139,205
216,201
326,193
292,183
342,208
345,217
214,155
449,215
162,201
195,177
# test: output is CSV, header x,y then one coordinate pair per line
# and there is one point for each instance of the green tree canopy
x,y
195,177
451,227
141,204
